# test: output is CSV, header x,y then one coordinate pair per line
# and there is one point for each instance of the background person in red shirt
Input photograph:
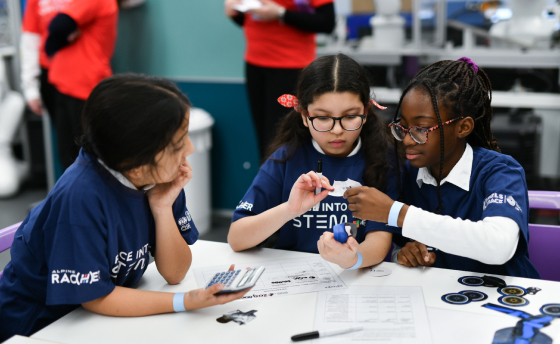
x,y
38,92
280,43
80,42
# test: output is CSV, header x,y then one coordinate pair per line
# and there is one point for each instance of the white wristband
x,y
179,302
394,214
358,263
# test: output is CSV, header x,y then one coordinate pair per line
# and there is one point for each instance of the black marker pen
x,y
326,333
318,189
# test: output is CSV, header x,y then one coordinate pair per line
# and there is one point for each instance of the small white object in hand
x,y
377,271
341,187
247,5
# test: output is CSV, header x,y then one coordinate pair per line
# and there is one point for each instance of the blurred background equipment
x,y
198,191
12,105
387,25
13,170
527,26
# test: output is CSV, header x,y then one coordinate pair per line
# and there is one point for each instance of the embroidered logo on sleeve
x,y
501,199
183,222
511,201
73,277
245,205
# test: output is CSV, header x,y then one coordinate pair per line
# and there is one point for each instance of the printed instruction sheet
x,y
282,277
387,314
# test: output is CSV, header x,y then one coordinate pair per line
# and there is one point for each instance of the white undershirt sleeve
x,y
30,69
491,241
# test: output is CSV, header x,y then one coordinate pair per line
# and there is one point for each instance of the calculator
x,y
236,280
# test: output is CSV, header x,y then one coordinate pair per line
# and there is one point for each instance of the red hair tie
x,y
287,100
377,104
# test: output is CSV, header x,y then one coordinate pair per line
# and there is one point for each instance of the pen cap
x,y
305,336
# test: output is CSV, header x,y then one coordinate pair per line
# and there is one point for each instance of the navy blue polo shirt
x,y
275,180
89,235
497,188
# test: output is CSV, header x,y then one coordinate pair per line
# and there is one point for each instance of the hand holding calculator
x,y
236,280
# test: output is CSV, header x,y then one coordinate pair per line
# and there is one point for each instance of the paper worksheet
x,y
388,315
282,277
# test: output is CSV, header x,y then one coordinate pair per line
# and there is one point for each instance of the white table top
x,y
279,318
26,340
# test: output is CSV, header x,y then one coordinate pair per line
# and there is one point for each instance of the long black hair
x,y
463,90
129,118
337,73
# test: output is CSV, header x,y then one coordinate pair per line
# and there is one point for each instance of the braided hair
x,y
466,91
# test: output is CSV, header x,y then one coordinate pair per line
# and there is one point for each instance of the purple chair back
x,y
390,254
544,241
7,237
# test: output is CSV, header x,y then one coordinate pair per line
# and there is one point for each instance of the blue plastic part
x,y
340,234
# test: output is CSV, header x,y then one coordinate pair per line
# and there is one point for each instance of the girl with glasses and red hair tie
x,y
332,120
465,204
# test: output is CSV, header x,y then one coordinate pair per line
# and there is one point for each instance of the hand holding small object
x,y
268,11
368,203
415,254
302,197
344,255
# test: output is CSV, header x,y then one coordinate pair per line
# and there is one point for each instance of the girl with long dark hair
x,y
332,121
88,242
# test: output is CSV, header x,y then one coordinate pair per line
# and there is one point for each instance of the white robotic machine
x,y
12,105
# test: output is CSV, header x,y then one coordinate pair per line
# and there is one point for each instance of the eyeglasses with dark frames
x,y
418,134
348,123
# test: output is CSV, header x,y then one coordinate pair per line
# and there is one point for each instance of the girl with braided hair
x,y
465,204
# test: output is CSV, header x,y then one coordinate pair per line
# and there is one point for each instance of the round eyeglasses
x,y
348,123
418,134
